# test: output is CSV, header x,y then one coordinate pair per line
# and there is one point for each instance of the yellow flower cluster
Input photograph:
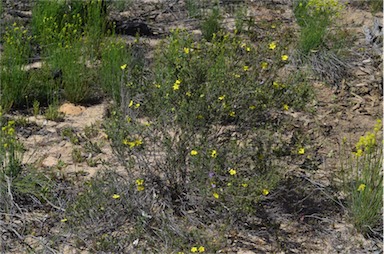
x,y
361,187
365,144
132,144
131,104
9,128
329,7
278,85
197,249
140,184
176,85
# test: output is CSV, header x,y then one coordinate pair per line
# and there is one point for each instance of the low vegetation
x,y
202,129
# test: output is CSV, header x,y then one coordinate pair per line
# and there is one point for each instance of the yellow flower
x,y
244,185
194,152
140,188
246,68
285,107
361,187
216,195
301,150
221,97
264,65
214,154
131,144
176,87
378,125
140,182
201,249
194,249
272,45
252,107
232,172
189,94
157,85
265,192
359,153
276,84
64,220
273,26
137,105
116,196
130,104
186,50
248,49
237,76
284,57
123,66
232,114
138,142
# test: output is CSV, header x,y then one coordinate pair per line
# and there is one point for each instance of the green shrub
x,y
193,8
70,36
198,133
77,78
314,18
13,76
376,5
211,24
363,183
114,56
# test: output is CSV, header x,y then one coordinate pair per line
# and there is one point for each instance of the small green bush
x,y
314,18
13,76
211,24
363,183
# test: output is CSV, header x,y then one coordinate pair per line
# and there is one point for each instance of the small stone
x,y
71,109
49,162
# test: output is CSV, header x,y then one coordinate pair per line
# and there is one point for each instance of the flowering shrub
x,y
197,132
13,78
363,181
324,7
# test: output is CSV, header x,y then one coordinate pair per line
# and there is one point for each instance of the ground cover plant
x,y
207,142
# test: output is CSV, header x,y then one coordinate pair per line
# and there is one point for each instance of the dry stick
x,y
321,188
11,229
54,206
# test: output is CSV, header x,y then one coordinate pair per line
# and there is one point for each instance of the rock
x,y
71,109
